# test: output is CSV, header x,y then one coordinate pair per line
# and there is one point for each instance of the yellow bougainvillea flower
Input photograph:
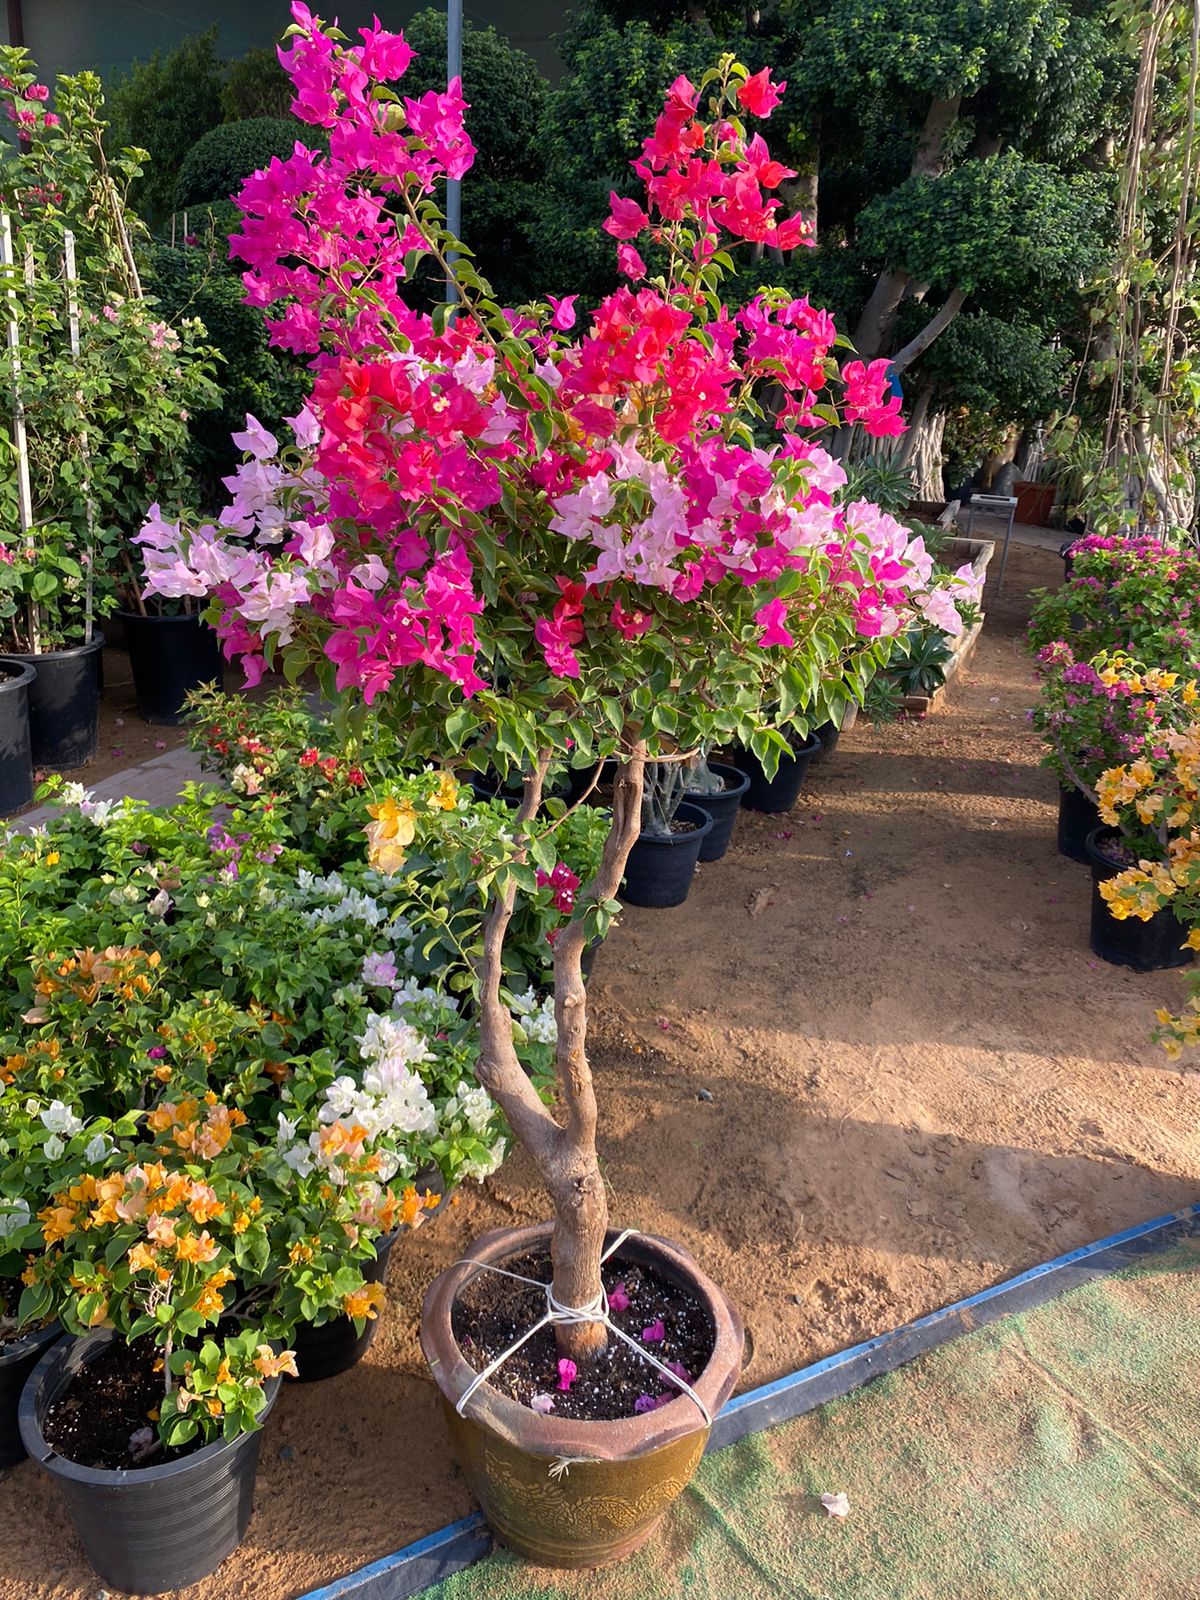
x,y
58,1222
445,798
364,1302
393,829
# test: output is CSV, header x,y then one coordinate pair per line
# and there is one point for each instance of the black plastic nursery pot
x,y
659,872
16,752
1078,816
722,808
781,792
169,658
17,1360
829,733
332,1347
1149,946
64,705
155,1528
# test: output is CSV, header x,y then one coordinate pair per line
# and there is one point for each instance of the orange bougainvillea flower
x,y
141,1258
109,1192
196,1247
364,1302
202,1203
211,1301
270,1365
300,1252
58,1222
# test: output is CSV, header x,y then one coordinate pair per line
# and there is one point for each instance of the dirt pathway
x,y
921,1082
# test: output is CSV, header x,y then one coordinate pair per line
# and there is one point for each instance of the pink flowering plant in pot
x,y
535,540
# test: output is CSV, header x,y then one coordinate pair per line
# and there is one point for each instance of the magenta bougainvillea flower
x,y
567,1372
360,537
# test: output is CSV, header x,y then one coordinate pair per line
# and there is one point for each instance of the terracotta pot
x,y
622,1475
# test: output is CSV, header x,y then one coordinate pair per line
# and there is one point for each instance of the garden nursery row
x,y
531,604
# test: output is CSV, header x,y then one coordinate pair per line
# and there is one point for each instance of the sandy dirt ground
x,y
921,1082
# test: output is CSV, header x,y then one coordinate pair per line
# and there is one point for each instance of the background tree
x,y
163,106
951,156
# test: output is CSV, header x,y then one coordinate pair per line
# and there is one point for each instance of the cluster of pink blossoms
x,y
623,445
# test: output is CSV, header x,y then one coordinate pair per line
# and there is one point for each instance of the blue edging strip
x,y
413,1569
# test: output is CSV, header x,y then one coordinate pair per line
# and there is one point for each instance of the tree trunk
x,y
926,457
936,325
564,1153
575,1183
878,317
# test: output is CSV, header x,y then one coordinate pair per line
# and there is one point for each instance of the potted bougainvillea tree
x,y
535,547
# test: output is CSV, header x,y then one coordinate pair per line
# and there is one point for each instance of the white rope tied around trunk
x,y
559,1315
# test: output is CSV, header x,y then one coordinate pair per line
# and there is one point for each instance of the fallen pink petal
x,y
567,1372
836,1505
655,1333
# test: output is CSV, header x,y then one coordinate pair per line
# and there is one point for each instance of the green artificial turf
x,y
1054,1456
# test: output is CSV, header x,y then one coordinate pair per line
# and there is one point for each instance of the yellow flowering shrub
x,y
1155,802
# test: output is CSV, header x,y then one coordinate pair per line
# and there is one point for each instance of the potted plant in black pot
x,y
663,860
97,388
172,651
1094,715
579,584
1144,855
16,747
718,790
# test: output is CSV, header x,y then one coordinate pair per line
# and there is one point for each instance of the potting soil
x,y
1054,1455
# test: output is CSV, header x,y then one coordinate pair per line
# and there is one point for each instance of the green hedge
x,y
216,165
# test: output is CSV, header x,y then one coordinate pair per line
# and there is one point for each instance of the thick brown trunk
x,y
574,1180
564,1153
878,317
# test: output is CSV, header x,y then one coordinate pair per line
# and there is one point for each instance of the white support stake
x,y
84,450
20,443
24,498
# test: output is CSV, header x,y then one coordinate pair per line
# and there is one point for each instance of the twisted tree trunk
x,y
564,1153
